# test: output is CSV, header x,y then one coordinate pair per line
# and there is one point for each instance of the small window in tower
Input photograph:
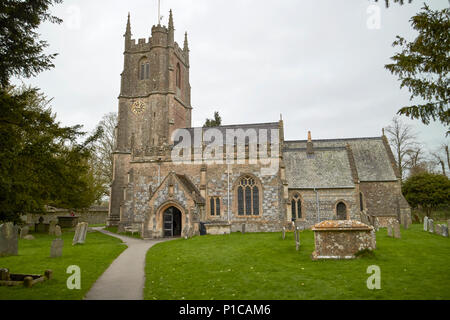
x,y
142,72
178,76
147,70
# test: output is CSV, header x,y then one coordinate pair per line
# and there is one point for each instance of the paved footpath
x,y
125,277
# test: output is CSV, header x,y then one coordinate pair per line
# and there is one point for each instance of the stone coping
x,y
338,225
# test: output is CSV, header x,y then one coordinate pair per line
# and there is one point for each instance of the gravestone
x,y
430,225
56,249
438,229
397,233
406,221
80,233
9,239
58,232
243,228
28,237
51,228
425,223
284,233
445,230
297,239
24,231
389,230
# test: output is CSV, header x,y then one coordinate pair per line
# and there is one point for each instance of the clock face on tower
x,y
138,107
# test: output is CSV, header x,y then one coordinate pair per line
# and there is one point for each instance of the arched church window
x,y
248,197
296,207
341,211
178,76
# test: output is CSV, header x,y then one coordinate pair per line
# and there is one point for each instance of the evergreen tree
x,y
423,65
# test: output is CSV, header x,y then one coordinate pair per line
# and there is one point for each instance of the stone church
x,y
312,181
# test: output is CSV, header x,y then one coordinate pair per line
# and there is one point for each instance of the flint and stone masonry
x,y
314,180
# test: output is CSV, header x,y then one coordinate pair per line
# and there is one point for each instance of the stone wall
x,y
328,200
384,199
97,216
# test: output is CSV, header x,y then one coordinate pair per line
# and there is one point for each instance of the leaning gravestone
x,y
425,223
397,233
51,228
430,225
24,231
284,233
9,239
80,233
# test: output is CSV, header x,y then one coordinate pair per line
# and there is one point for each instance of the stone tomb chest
x,y
342,239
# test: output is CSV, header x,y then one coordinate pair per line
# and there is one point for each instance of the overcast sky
x,y
318,63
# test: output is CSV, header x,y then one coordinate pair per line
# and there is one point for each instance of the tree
x,y
217,121
403,142
422,66
441,157
21,51
102,161
42,162
427,190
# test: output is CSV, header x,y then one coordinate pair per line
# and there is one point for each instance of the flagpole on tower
x,y
159,12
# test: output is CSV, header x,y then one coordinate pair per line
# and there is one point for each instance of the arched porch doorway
x,y
172,222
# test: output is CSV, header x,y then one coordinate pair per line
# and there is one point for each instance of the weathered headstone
x,y
28,237
406,221
24,231
80,233
389,230
243,228
430,225
56,249
438,229
397,233
445,230
58,232
297,239
9,239
425,223
284,233
51,228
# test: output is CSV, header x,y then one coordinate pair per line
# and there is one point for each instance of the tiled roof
x,y
370,154
327,168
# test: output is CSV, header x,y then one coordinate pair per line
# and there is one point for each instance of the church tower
x,y
154,100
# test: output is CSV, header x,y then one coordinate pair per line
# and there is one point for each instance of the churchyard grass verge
x,y
128,234
263,266
93,257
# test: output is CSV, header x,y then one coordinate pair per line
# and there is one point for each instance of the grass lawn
x,y
128,234
93,258
263,266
